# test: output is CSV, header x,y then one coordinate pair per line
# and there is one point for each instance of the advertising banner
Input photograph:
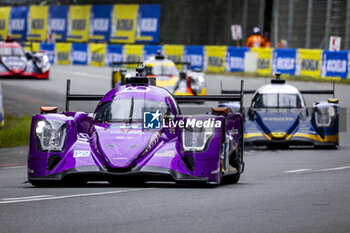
x,y
133,53
215,58
114,54
58,22
2,116
174,53
100,20
123,26
4,21
151,50
309,62
264,60
148,21
37,23
284,61
235,59
49,50
195,56
79,54
78,23
18,22
62,51
97,54
335,64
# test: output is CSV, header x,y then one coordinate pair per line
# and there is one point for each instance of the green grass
x,y
15,132
288,77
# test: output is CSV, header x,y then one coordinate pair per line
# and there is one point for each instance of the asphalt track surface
x,y
300,190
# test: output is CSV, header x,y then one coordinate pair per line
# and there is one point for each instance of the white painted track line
x,y
23,198
298,170
12,167
72,196
318,170
332,169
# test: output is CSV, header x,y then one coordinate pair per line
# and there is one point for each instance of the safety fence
x,y
300,62
118,23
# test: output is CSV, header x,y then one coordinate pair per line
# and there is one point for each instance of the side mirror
x,y
152,81
182,75
45,110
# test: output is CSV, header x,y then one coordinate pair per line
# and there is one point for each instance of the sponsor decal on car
x,y
278,119
81,153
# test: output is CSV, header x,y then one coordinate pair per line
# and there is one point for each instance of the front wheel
x,y
233,179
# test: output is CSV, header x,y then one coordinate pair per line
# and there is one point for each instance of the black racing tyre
x,y
233,179
220,172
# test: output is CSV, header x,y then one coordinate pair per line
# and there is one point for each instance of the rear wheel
x,y
220,176
236,162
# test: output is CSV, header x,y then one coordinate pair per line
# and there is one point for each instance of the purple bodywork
x,y
117,151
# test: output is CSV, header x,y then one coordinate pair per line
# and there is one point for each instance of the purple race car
x,y
137,133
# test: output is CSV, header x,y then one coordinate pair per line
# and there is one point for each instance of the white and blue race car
x,y
279,117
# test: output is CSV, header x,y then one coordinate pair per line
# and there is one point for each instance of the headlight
x,y
196,139
42,62
152,142
324,116
51,135
45,59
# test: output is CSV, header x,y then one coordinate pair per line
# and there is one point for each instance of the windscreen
x,y
277,100
129,110
11,51
161,69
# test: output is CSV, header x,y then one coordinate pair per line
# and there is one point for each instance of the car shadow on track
x,y
274,149
165,185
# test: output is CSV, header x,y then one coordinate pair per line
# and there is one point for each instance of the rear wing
x,y
305,92
79,97
182,63
120,63
237,96
179,98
